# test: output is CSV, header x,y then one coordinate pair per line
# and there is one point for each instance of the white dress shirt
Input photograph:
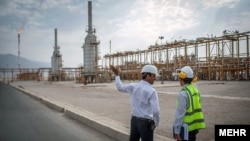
x,y
143,99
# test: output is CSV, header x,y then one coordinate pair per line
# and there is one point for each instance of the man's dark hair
x,y
144,75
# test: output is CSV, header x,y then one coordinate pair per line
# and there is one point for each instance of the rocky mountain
x,y
11,61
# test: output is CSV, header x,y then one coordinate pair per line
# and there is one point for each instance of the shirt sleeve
x,y
120,86
180,111
156,108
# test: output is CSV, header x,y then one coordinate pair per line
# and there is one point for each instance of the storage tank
x,y
90,50
56,61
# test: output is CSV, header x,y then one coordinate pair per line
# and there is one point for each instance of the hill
x,y
11,61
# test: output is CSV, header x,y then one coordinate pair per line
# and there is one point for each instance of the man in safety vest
x,y
189,109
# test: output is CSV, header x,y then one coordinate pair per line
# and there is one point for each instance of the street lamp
x,y
161,37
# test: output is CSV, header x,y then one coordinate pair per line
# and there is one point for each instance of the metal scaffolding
x,y
212,58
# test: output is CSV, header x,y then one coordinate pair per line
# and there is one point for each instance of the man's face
x,y
181,82
151,78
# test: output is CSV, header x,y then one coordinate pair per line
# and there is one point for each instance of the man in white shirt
x,y
145,110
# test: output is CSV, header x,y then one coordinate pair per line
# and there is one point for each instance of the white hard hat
x,y
188,71
150,69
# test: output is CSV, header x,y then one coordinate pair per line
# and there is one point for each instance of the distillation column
x,y
56,62
90,50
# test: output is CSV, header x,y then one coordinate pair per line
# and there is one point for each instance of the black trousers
x,y
192,135
140,129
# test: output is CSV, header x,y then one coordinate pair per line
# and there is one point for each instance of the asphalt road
x,y
25,119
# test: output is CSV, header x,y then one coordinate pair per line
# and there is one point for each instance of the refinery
x,y
223,57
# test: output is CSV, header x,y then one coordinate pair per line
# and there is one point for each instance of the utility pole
x,y
161,37
110,52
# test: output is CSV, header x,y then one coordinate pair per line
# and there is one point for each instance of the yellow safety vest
x,y
194,117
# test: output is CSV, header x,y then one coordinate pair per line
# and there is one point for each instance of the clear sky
x,y
130,24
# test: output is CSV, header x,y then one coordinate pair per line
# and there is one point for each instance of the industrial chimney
x,y
56,62
90,50
18,36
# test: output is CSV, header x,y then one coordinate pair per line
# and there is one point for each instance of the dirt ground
x,y
224,102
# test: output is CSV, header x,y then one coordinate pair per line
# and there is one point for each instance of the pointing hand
x,y
113,69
